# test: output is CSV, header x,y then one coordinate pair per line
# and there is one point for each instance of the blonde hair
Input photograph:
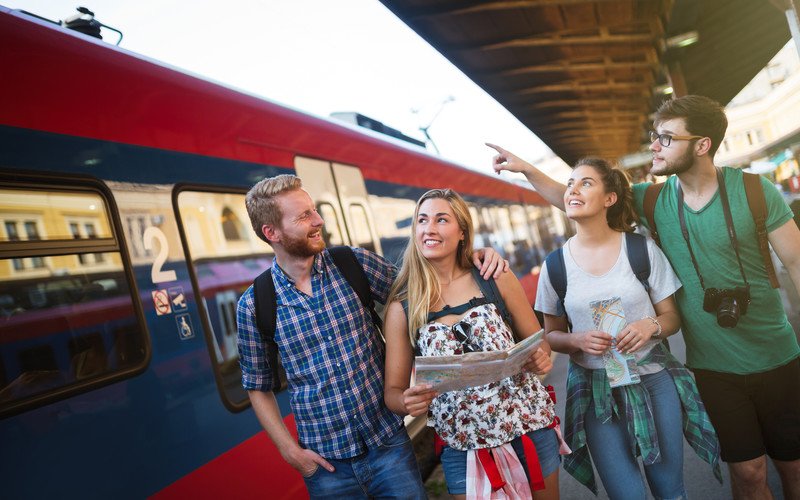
x,y
417,282
261,203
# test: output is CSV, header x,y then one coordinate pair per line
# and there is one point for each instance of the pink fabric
x,y
512,482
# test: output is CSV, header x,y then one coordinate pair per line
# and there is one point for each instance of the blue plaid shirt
x,y
332,355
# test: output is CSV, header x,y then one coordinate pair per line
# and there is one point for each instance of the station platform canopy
x,y
586,75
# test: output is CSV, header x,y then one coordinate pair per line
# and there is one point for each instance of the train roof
x,y
65,82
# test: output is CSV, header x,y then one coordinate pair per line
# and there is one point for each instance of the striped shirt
x,y
332,354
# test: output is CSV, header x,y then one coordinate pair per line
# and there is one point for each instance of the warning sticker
x,y
177,298
161,302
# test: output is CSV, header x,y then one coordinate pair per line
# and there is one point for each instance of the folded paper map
x,y
609,317
451,373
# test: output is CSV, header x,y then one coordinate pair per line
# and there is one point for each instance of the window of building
x,y
64,327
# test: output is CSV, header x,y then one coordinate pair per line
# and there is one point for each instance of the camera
x,y
729,304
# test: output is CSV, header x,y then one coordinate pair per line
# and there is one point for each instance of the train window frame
x,y
56,247
338,223
203,308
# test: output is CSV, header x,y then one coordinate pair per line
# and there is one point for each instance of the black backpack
x,y
266,304
637,257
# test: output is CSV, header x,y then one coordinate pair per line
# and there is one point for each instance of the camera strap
x,y
726,209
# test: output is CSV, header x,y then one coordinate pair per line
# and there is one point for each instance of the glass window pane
x,y
359,230
224,267
332,230
64,322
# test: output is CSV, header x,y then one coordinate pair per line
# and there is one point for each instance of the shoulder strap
x,y
758,207
492,294
557,272
650,198
345,259
266,306
638,258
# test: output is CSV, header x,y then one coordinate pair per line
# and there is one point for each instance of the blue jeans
x,y
610,447
388,471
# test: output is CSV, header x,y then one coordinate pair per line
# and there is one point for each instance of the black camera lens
x,y
728,312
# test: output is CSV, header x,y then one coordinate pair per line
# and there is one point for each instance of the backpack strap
x,y
758,208
650,198
557,272
638,258
345,259
492,294
266,305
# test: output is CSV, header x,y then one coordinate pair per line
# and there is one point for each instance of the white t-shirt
x,y
584,288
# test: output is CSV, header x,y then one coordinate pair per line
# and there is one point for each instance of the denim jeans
x,y
388,471
610,447
454,462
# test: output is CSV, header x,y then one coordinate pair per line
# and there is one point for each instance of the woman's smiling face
x,y
437,229
586,195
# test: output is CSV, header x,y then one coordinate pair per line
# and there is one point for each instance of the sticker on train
x,y
185,331
161,302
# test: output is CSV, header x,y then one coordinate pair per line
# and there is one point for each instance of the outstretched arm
x,y
269,415
551,190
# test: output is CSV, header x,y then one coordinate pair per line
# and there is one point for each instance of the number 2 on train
x,y
156,274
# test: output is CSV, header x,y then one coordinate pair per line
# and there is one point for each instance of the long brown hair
x,y
417,282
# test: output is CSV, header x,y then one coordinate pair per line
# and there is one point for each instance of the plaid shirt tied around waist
x,y
585,386
332,355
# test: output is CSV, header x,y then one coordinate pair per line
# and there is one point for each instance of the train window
x,y
393,218
360,234
332,230
224,266
67,316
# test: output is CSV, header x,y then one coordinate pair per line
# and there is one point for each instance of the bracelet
x,y
658,326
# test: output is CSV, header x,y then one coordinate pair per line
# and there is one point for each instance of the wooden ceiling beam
x,y
603,35
481,7
600,102
641,88
569,66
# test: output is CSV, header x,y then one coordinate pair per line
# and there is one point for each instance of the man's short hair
x,y
261,201
703,116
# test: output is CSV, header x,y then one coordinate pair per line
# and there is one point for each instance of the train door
x,y
341,197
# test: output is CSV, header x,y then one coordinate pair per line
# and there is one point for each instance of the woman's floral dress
x,y
489,415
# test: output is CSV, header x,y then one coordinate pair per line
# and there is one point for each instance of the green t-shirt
x,y
763,339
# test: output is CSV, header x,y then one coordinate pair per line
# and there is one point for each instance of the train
x,y
125,245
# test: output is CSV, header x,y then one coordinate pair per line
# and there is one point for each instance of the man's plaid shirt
x,y
332,355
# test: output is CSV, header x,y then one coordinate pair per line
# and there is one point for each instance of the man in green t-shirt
x,y
748,374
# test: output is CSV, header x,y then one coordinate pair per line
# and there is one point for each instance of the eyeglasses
x,y
461,330
666,139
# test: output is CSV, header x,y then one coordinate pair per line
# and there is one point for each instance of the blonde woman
x,y
445,316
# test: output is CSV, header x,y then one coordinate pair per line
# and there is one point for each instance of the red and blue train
x,y
124,246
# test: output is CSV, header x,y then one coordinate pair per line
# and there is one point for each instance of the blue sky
x,y
319,56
